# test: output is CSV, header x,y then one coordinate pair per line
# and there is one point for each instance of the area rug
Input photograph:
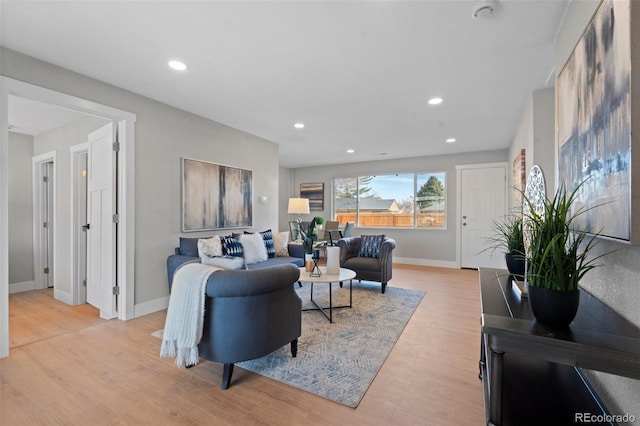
x,y
339,361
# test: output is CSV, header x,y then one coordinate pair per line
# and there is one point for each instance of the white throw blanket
x,y
185,316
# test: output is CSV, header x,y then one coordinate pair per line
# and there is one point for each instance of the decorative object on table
x,y
319,223
307,236
556,256
509,238
315,193
315,271
298,206
519,178
362,337
333,260
215,196
308,262
594,122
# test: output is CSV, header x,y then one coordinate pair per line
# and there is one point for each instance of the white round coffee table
x,y
344,275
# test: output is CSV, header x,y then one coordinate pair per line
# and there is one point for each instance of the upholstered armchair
x,y
377,269
249,314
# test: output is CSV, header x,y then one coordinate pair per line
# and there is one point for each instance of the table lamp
x,y
298,206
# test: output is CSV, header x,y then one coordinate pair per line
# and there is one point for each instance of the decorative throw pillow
x,y
210,247
253,248
267,236
225,262
231,246
281,243
370,245
189,246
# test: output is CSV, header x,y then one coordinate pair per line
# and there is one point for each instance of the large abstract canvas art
x,y
594,122
215,196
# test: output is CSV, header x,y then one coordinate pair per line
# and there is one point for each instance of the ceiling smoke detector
x,y
484,9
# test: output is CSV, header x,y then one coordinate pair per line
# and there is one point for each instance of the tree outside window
x,y
405,200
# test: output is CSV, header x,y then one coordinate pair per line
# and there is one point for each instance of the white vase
x,y
333,260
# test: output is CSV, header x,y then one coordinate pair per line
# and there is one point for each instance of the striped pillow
x,y
267,236
370,245
231,246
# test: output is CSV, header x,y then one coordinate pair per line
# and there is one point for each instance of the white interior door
x,y
102,229
483,201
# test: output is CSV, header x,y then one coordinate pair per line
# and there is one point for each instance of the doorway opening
x,y
124,122
44,220
79,221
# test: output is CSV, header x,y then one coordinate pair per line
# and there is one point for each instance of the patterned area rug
x,y
339,361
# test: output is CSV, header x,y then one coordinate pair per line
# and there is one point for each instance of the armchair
x,y
249,314
377,269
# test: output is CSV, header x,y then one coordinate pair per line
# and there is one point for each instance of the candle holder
x,y
315,272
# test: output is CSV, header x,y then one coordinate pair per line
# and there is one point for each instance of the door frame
x,y
459,169
126,191
37,163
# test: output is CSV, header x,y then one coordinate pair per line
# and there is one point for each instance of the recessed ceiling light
x,y
451,140
299,125
177,65
435,101
350,151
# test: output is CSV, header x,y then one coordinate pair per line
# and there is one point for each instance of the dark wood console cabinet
x,y
532,373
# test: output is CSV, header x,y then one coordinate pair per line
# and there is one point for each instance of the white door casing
x,y
482,202
101,235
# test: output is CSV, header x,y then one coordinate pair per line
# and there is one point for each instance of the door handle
x,y
86,227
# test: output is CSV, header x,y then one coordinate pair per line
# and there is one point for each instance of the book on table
x,y
519,287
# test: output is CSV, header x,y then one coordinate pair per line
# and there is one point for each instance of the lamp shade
x,y
298,206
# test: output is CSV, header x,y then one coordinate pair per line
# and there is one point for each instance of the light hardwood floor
x,y
84,371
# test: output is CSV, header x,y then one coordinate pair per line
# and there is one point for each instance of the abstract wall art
x,y
315,193
593,98
215,196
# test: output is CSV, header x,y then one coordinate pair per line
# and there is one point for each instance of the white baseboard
x,y
425,262
145,308
63,296
23,286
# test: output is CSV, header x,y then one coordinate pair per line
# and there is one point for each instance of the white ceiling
x,y
32,117
357,73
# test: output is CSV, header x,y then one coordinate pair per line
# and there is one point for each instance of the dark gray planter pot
x,y
552,307
515,265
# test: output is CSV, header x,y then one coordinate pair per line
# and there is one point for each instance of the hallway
x,y
35,315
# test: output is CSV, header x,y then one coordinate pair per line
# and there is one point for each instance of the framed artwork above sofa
x,y
215,196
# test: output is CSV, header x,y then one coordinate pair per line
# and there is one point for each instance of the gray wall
x,y
535,134
61,140
163,135
617,282
416,246
20,209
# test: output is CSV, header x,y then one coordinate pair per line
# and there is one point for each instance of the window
x,y
404,200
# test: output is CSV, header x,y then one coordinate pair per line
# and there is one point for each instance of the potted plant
x,y
308,244
509,238
307,236
319,223
556,256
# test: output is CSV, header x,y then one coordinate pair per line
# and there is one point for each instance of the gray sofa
x,y
249,314
379,269
187,252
